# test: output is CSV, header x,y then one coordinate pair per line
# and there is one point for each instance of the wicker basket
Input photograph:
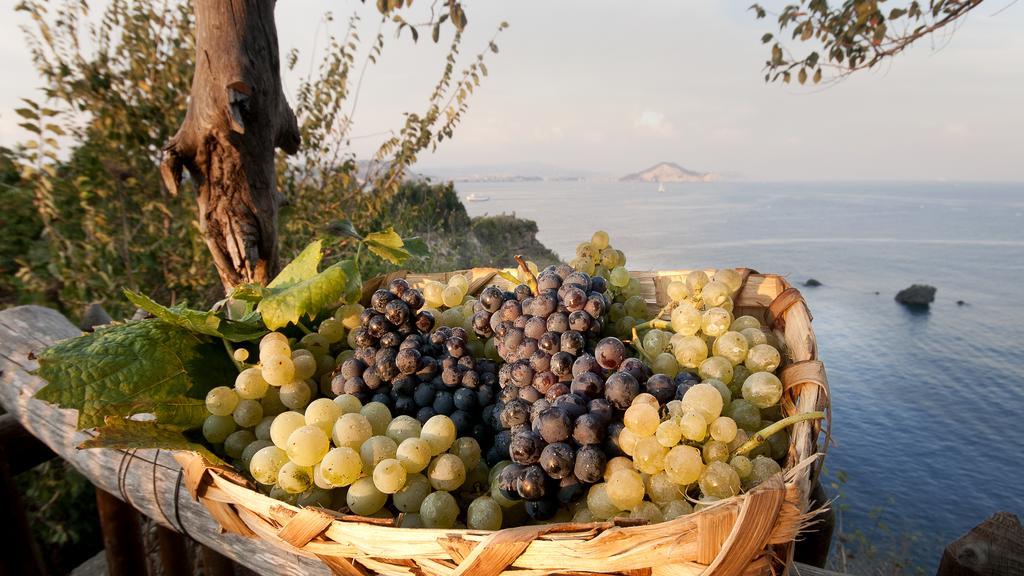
x,y
751,533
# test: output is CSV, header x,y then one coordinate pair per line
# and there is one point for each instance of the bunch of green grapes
x,y
599,258
453,306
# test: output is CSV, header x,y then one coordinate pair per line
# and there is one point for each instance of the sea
x,y
926,404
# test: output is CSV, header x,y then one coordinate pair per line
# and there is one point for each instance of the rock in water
x,y
812,282
916,295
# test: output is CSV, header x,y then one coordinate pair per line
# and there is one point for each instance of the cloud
x,y
654,122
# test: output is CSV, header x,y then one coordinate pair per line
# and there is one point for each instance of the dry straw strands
x,y
749,534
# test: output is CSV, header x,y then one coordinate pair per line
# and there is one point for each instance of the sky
x,y
611,87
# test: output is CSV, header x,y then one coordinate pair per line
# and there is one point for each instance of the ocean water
x,y
926,405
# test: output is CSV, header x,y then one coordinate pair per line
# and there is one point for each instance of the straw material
x,y
750,534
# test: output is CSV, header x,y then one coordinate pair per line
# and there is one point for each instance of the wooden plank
x,y
146,479
174,559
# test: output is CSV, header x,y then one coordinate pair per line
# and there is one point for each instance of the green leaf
x,y
302,268
417,247
510,277
248,292
390,246
126,365
345,228
124,434
180,413
26,113
207,322
308,297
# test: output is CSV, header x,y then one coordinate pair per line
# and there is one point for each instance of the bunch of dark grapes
x,y
400,363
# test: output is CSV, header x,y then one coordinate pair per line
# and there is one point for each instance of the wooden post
x,y
21,555
214,563
993,548
173,552
122,538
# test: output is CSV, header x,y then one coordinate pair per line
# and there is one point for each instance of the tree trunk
x,y
237,116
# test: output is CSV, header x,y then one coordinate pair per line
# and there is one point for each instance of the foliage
x,y
20,225
852,35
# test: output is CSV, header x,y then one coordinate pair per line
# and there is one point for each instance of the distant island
x,y
669,172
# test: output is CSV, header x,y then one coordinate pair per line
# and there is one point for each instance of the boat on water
x,y
476,198
661,187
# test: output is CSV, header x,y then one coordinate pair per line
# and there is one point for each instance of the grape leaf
x,y
309,297
122,433
145,362
180,413
208,322
302,268
390,246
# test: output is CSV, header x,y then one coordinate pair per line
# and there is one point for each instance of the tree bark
x,y
237,116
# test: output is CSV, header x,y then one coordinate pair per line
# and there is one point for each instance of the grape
x,y
599,504
762,358
716,321
526,447
754,337
315,496
217,428
625,489
374,450
439,432
250,385
695,282
616,464
715,451
662,489
763,468
620,389
349,404
690,351
715,294
704,399
676,291
349,315
221,401
610,352
295,479
439,510
627,441
460,282
719,480
723,429
675,509
665,363
323,413
341,466
271,402
531,484
277,370
669,433
731,278
283,426
305,365
742,465
589,429
278,493
686,320
468,450
599,240
251,451
558,460
732,346
248,413
693,426
240,355
432,294
642,419
307,445
403,427
266,463
296,394
414,454
274,344
378,415
745,414
483,513
649,455
389,476
363,497
647,511
741,323
413,520
723,390
590,464
762,389
446,472
684,464
237,441
636,307
332,330
411,496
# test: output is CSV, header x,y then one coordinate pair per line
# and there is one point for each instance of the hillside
x,y
669,172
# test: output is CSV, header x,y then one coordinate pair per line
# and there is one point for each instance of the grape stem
x,y
636,343
531,280
762,435
231,354
655,323
303,327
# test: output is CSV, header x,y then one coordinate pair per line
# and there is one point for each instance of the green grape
x,y
439,510
608,258
411,495
248,413
379,417
491,350
754,337
305,366
587,251
331,330
315,496
625,489
413,520
636,307
250,384
439,432
266,463
295,395
318,477
732,346
665,363
656,341
468,450
271,402
742,465
341,466
715,367
743,322
627,441
715,321
704,399
221,401
389,476
676,291
451,296
483,513
662,489
624,327
647,511
599,504
684,464
761,469
730,277
675,509
739,376
762,389
695,282
295,479
649,455
446,472
617,311
723,429
278,493
648,399
693,426
719,480
363,497
686,319
633,289
350,340
307,445
433,294
323,413
278,370
616,464
715,451
724,390
599,240
690,351
349,315
375,449
274,345
349,404
237,441
674,409
414,454
619,277
462,283
217,428
240,355
715,294
452,318
745,414
251,451
779,443
315,343
669,433
763,358
642,419
583,265
283,426
403,427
